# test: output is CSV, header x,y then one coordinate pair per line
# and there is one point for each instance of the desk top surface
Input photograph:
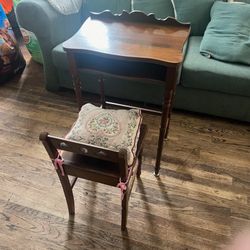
x,y
131,36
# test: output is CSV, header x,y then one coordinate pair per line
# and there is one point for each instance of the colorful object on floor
x,y
32,45
31,42
11,58
8,7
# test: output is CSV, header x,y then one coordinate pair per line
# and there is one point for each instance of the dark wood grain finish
x,y
200,201
93,163
136,16
133,36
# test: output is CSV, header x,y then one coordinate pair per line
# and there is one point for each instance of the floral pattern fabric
x,y
108,128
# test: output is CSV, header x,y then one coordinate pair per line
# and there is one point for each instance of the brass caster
x,y
156,174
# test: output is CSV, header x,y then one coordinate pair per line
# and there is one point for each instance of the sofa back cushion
x,y
196,12
244,1
161,8
227,36
115,6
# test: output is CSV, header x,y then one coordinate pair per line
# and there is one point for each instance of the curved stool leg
x,y
67,192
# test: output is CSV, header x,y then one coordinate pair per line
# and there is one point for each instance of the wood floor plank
x,y
200,201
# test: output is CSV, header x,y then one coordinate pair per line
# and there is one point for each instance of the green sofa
x,y
206,85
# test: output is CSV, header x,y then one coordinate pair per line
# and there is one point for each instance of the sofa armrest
x,y
50,28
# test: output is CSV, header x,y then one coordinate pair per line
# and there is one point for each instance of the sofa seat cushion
x,y
59,57
200,72
161,8
108,128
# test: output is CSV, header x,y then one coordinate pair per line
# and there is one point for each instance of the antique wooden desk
x,y
130,45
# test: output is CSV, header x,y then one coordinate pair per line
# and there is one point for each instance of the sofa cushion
x,y
213,103
59,57
200,72
115,6
227,36
243,1
196,12
108,128
161,8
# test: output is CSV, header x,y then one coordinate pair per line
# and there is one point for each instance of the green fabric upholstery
x,y
205,85
213,103
116,6
52,28
161,8
40,18
200,72
196,100
227,36
196,12
243,1
127,90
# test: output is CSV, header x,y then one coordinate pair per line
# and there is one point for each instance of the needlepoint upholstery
x,y
227,36
108,128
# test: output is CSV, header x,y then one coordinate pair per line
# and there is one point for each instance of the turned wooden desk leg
x,y
170,111
171,79
76,79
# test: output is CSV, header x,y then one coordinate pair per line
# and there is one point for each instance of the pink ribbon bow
x,y
58,163
123,188
123,185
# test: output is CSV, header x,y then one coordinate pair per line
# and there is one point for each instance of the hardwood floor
x,y
200,201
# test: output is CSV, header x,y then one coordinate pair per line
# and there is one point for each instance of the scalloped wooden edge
x,y
137,16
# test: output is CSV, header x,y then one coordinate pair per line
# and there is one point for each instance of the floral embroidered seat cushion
x,y
108,128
